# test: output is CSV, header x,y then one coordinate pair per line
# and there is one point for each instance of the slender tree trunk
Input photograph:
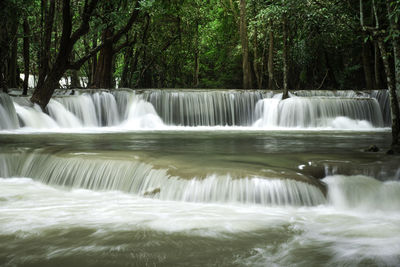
x,y
247,81
25,53
127,64
12,66
196,62
46,41
93,62
43,93
394,103
142,72
395,90
42,97
4,48
377,67
394,25
379,36
103,73
256,65
285,59
367,67
75,82
271,60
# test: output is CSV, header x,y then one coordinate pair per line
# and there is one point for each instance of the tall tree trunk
x,y
394,25
45,55
395,94
75,82
142,72
196,62
93,62
377,67
103,73
4,48
125,77
394,103
247,81
12,64
366,59
256,65
379,37
43,93
285,58
25,53
271,59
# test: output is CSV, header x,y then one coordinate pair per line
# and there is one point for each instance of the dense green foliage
x,y
195,43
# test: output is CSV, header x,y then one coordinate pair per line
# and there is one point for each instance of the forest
x,y
313,44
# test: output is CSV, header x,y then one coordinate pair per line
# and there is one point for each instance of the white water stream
x,y
198,178
156,109
348,230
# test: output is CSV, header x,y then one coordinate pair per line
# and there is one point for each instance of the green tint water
x,y
43,225
198,153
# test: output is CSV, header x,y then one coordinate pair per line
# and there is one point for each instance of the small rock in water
x,y
390,152
372,148
152,192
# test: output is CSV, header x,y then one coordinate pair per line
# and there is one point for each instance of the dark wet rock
x,y
153,192
372,148
390,152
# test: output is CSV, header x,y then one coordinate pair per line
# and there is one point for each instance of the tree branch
x,y
86,15
165,47
132,19
113,39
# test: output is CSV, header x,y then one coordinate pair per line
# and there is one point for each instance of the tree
x,y
379,35
69,38
247,80
26,45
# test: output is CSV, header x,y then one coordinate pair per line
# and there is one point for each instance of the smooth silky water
x,y
121,179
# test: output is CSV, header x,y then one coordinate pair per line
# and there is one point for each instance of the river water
x,y
257,190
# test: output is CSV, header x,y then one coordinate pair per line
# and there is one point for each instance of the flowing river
x,y
198,178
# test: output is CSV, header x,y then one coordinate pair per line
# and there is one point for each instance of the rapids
x,y
198,178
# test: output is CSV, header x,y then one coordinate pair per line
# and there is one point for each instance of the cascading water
x,y
208,197
316,112
8,116
156,108
96,109
205,108
143,179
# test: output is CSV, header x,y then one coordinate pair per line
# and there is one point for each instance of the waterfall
x,y
205,108
62,116
382,96
73,171
362,192
141,114
8,115
307,112
96,109
33,117
156,109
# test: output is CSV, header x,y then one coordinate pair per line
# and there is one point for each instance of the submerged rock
x,y
372,148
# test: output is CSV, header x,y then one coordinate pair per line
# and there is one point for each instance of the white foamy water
x,y
340,233
143,179
168,110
